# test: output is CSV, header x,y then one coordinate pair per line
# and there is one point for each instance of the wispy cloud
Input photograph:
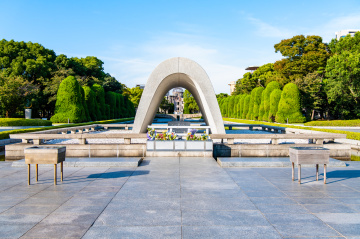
x,y
328,29
264,29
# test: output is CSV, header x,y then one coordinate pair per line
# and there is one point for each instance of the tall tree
x,y
303,55
343,73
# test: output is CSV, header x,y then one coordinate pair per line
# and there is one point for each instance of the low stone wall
x,y
16,151
340,151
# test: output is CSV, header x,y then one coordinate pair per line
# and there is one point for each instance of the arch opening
x,y
178,72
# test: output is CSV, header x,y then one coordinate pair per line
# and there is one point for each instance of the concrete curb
x,y
267,162
91,162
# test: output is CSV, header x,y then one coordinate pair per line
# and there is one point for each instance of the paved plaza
x,y
179,198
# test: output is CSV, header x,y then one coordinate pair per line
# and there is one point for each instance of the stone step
x,y
247,162
92,162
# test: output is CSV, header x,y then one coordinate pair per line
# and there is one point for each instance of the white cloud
x,y
264,29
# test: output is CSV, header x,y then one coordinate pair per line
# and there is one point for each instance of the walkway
x,y
180,198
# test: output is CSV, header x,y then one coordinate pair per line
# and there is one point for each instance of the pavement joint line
x,y
252,201
34,195
110,200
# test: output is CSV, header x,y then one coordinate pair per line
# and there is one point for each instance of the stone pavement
x,y
180,198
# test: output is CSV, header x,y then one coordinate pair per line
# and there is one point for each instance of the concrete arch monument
x,y
179,72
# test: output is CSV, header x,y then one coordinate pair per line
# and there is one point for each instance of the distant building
x,y
344,33
141,86
232,87
177,98
252,68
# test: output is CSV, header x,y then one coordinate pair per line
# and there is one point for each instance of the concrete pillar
x,y
73,131
230,141
87,130
127,141
37,141
274,141
319,141
82,141
25,141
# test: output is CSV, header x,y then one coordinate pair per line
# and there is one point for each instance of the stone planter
x,y
179,148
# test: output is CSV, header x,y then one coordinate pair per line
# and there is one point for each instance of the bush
x,y
241,106
257,102
107,107
261,108
274,103
24,122
69,103
251,105
230,110
90,100
289,105
348,123
246,106
87,115
267,92
110,99
100,99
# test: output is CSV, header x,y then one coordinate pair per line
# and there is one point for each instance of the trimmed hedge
x,y
349,135
274,103
350,123
267,92
69,102
24,122
100,99
289,105
5,134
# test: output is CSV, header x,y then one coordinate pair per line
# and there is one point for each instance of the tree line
x,y
327,77
31,76
265,104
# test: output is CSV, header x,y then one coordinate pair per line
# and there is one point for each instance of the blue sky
x,y
133,37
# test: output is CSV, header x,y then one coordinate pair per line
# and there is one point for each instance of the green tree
x,y
250,113
111,84
69,103
241,104
313,96
246,84
231,104
303,55
269,88
274,104
15,92
257,102
190,101
343,73
262,107
289,105
246,106
100,99
134,95
90,100
87,115
110,99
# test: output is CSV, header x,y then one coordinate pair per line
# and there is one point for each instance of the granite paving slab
x,y
180,198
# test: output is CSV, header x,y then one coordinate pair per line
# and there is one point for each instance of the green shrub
x,y
87,115
100,99
267,92
24,122
90,100
122,106
69,103
261,108
274,103
230,109
186,109
107,110
251,105
246,106
117,110
257,102
110,99
289,105
348,123
241,104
